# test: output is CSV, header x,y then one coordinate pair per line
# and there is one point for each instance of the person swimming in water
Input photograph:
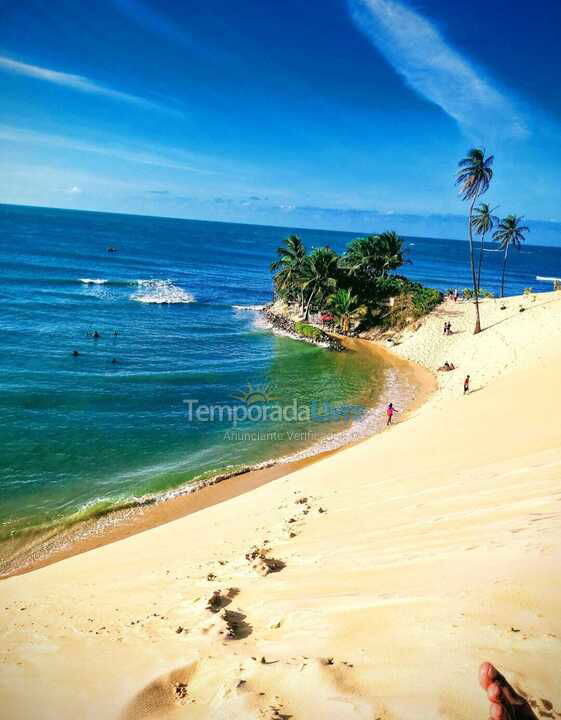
x,y
75,353
390,412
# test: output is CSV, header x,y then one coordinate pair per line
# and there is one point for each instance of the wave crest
x,y
161,292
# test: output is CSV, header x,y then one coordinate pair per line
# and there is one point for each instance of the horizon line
x,y
284,227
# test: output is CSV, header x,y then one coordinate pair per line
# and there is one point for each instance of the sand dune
x,y
368,585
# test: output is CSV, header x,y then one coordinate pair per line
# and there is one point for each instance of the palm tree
x,y
345,308
319,275
363,257
474,176
288,269
374,255
510,232
483,222
391,252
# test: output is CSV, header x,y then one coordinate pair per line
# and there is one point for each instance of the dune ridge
x,y
370,584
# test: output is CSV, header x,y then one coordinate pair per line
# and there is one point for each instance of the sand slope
x,y
394,568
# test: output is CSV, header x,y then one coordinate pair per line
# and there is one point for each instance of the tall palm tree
x,y
474,176
483,221
509,232
319,275
289,268
345,308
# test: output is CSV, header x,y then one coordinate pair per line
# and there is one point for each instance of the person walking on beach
x,y
389,412
466,385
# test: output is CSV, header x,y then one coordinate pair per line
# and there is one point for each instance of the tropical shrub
x,y
308,331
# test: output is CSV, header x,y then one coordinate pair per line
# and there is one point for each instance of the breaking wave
x,y
161,292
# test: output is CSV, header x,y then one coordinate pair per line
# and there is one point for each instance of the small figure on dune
x,y
390,413
466,385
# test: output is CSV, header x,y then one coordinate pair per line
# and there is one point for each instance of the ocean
x,y
174,304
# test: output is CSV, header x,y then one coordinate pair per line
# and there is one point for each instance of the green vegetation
x,y
308,331
355,290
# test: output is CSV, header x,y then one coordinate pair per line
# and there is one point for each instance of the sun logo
x,y
253,395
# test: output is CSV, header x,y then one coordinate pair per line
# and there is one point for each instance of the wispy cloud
x,y
173,158
419,53
77,82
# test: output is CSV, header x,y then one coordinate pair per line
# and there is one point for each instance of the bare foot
x,y
506,703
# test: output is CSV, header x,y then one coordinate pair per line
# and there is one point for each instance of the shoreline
x,y
179,502
341,589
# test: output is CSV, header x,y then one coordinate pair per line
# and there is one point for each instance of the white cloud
x,y
419,53
76,82
156,156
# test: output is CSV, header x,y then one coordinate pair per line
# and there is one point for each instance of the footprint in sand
x,y
229,625
164,694
221,598
262,563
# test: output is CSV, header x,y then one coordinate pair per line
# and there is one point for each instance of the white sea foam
x,y
93,281
248,308
161,292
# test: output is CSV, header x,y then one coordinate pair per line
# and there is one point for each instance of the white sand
x,y
440,547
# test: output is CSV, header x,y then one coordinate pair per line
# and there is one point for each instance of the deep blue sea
x,y
172,307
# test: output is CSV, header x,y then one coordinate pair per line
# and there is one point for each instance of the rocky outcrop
x,y
287,326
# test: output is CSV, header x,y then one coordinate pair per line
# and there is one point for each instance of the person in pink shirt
x,y
389,412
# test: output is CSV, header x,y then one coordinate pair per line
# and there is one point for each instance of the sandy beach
x,y
369,584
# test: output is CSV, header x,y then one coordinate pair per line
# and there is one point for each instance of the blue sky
x,y
346,114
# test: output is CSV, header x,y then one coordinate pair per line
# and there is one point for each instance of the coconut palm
x,y
362,257
374,255
345,308
288,269
319,276
509,232
391,252
483,221
474,177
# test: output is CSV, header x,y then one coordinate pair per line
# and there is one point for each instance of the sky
x,y
341,114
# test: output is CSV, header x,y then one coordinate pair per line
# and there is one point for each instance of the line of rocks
x,y
287,326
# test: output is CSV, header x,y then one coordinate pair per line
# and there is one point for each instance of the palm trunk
x,y
481,251
477,328
309,303
503,276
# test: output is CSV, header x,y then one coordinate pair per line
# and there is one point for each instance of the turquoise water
x,y
81,435
172,304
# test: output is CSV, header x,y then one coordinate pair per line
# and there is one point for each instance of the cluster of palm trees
x,y
474,177
348,286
